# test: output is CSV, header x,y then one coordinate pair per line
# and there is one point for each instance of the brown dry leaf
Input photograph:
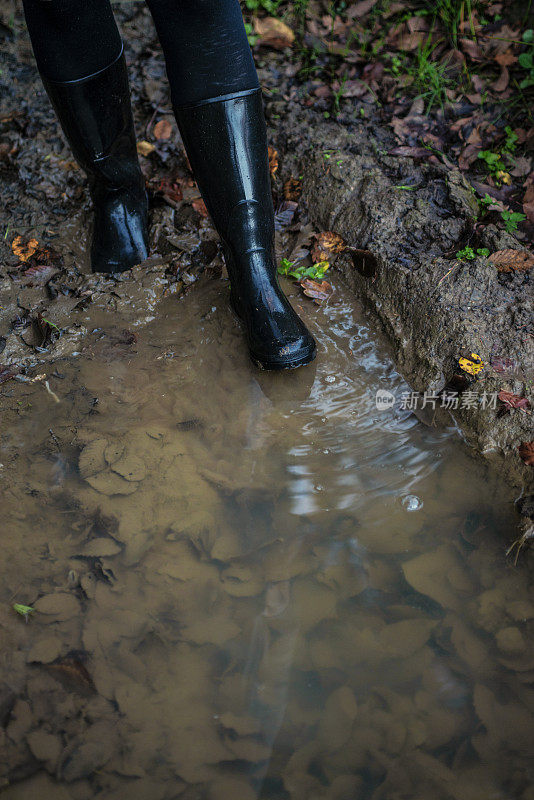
x,y
512,260
472,49
526,453
8,372
273,160
163,129
200,207
24,251
318,291
292,189
144,148
511,400
326,244
505,59
528,203
502,81
273,33
360,9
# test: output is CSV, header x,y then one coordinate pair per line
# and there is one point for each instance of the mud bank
x,y
403,220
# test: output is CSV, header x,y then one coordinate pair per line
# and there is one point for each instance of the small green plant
x,y
526,59
468,254
24,611
251,36
511,220
493,161
397,65
431,78
338,95
270,6
316,272
510,142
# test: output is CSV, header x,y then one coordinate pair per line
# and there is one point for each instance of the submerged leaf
x,y
317,291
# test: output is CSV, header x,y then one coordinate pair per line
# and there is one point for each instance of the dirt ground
x,y
402,219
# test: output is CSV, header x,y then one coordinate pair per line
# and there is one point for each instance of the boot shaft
x,y
226,142
96,116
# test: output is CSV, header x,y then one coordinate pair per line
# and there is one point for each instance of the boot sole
x,y
278,366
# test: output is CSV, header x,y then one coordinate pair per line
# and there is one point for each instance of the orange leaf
x,y
326,244
509,260
292,189
163,129
273,33
526,453
24,252
273,160
200,207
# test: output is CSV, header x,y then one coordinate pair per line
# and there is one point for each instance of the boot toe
x,y
289,355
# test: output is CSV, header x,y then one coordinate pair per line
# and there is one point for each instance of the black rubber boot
x,y
96,117
226,142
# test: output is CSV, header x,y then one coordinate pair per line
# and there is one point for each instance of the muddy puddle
x,y
250,585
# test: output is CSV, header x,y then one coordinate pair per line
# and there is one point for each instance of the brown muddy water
x,y
250,585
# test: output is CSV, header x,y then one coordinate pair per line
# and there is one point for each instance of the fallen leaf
x,y
200,207
503,365
8,372
24,251
472,49
163,129
503,177
512,260
505,59
273,33
169,189
409,152
360,9
292,189
528,203
513,400
472,365
284,214
526,453
144,148
327,243
317,291
502,81
273,160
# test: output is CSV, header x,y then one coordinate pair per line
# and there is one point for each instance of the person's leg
x,y
218,106
79,55
206,48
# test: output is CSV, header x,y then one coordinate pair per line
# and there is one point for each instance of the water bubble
x,y
411,502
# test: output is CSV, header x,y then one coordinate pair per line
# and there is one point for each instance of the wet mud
x,y
269,589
